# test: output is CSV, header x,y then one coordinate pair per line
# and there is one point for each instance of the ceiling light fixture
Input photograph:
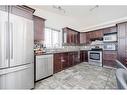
x,y
93,8
59,8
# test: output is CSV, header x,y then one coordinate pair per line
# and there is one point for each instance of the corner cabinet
x,y
122,43
39,25
82,38
70,36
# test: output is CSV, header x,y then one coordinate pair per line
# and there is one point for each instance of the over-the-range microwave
x,y
110,37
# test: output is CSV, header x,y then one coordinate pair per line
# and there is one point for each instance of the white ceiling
x,y
80,17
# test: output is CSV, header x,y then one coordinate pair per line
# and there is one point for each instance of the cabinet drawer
x,y
109,55
110,63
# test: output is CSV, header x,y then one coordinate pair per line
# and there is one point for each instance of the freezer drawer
x,y
44,66
21,77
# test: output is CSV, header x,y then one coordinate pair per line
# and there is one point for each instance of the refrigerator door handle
x,y
7,40
11,40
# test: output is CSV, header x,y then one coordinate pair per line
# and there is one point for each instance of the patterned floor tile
x,y
81,76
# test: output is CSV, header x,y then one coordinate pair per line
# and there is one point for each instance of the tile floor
x,y
81,76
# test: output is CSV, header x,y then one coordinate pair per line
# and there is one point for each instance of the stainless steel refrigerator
x,y
16,52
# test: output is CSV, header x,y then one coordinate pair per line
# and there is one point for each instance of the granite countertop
x,y
62,51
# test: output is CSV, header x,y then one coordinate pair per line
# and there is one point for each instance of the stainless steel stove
x,y
95,57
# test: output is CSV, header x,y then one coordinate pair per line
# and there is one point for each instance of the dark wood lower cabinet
x,y
83,56
65,60
60,61
71,59
109,58
57,63
76,58
109,63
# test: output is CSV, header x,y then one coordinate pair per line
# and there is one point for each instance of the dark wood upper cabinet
x,y
20,10
96,34
23,11
39,25
82,38
110,30
87,37
70,36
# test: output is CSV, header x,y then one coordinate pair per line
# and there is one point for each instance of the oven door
x,y
95,57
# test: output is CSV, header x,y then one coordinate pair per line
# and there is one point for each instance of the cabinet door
x,y
78,38
38,28
121,30
76,58
82,38
126,53
81,56
64,60
113,29
99,34
109,58
68,37
75,38
64,37
88,38
109,55
110,63
29,41
121,50
57,63
86,56
70,59
110,30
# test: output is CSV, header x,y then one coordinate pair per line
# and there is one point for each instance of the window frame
x,y
52,45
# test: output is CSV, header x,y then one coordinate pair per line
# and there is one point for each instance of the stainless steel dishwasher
x,y
44,66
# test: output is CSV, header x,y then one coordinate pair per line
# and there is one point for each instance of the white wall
x,y
101,18
54,20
